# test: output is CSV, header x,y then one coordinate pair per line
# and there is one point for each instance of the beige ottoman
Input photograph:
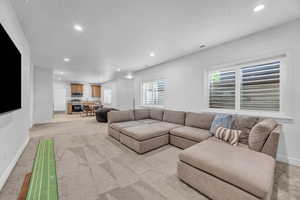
x,y
114,129
144,138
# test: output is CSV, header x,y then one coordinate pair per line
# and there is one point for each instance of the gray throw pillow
x,y
221,120
260,133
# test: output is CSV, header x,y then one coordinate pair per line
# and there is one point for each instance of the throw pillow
x,y
221,120
260,133
228,135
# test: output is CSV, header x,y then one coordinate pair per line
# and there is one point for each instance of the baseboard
x,y
12,164
289,160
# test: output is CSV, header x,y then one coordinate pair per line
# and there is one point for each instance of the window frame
x,y
142,91
237,68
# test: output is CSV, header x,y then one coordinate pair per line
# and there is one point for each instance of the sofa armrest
x,y
271,145
120,116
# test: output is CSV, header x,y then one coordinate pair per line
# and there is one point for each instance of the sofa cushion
x,y
241,145
249,170
220,120
141,114
119,125
145,131
148,121
156,114
120,116
168,125
259,134
199,120
191,133
245,124
271,144
177,117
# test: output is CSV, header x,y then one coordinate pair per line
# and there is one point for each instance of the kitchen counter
x,y
70,105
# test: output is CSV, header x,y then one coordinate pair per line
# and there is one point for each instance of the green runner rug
x,y
43,183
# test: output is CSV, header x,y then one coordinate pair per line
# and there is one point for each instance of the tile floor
x,y
93,166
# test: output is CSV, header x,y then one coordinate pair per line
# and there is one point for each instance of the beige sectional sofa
x,y
213,167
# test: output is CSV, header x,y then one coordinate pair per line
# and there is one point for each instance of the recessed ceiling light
x,y
66,59
118,70
59,79
77,27
129,76
61,73
152,54
259,8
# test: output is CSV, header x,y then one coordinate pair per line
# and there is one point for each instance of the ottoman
x,y
145,137
101,114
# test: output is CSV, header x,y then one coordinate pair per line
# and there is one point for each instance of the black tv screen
x,y
11,79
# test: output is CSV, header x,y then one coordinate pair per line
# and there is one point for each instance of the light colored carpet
x,y
93,166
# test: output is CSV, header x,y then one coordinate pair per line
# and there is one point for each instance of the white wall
x,y
125,94
60,90
14,125
87,91
43,95
122,93
113,86
186,86
31,85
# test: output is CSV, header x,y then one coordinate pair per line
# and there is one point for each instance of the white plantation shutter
x,y
247,87
222,89
260,87
154,92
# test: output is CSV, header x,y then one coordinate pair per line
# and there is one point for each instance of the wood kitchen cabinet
x,y
76,88
96,90
69,108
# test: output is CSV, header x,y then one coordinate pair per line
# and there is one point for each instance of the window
x,y
153,92
107,96
222,90
260,87
247,87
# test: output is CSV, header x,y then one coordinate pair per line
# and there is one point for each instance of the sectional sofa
x,y
211,166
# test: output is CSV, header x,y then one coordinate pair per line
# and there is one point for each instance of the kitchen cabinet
x,y
76,88
96,90
69,108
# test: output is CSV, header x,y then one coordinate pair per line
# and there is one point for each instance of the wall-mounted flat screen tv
x,y
10,68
